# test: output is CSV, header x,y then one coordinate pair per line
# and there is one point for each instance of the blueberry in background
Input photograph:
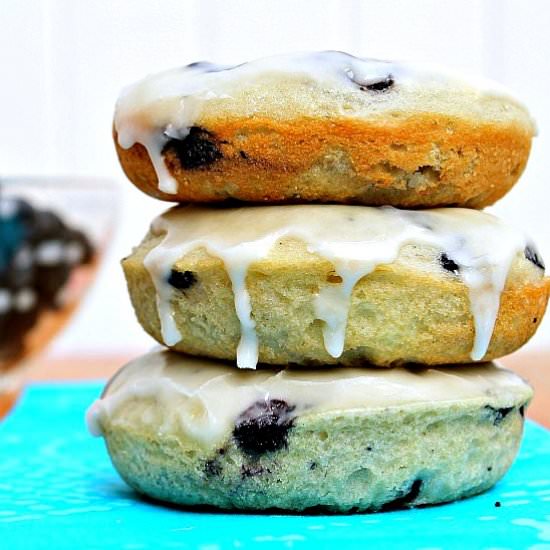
x,y
38,253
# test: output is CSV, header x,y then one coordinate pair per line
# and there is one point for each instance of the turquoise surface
x,y
58,490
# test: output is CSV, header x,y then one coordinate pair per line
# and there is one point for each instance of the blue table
x,y
58,490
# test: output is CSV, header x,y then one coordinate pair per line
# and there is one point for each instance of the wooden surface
x,y
533,367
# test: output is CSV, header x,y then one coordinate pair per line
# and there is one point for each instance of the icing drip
x,y
332,304
168,104
355,239
247,350
237,258
485,290
204,398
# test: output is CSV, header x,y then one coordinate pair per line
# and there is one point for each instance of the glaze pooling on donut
x,y
163,108
193,392
355,239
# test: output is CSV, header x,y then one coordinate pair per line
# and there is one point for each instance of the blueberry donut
x,y
198,432
337,284
321,127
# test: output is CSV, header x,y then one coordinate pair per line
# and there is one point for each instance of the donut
x,y
336,284
197,432
321,127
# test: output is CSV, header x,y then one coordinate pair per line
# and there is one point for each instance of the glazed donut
x,y
337,284
321,127
197,432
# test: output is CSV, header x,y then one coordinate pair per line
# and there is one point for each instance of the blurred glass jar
x,y
53,232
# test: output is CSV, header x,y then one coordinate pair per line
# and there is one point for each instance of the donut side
x,y
343,461
413,310
406,160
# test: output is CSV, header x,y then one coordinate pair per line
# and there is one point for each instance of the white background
x,y
63,63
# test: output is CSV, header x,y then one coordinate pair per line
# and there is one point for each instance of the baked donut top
x,y
207,399
474,247
330,85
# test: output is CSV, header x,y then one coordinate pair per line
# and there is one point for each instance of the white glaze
x,y
203,398
168,104
355,239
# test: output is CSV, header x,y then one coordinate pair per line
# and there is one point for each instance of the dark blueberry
x,y
25,211
535,319
209,67
182,280
313,465
196,150
12,238
17,324
406,498
49,282
489,468
15,220
448,264
46,225
243,155
380,86
15,208
369,448
497,504
264,427
19,278
212,468
253,470
533,256
498,415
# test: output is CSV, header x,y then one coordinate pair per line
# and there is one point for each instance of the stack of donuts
x,y
328,292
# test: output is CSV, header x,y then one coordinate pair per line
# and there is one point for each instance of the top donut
x,y
322,127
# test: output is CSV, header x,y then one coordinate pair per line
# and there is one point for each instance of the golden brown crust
x,y
399,313
423,160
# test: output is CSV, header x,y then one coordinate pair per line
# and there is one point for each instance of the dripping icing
x,y
168,104
355,239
